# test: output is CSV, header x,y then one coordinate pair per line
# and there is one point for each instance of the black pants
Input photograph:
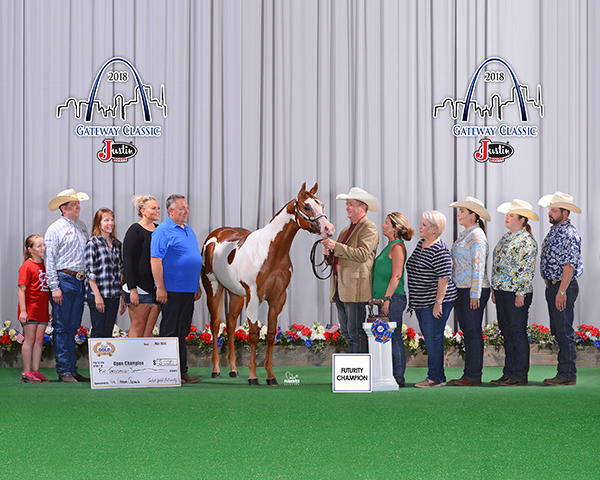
x,y
176,322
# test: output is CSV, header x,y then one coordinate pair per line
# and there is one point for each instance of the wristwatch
x,y
561,292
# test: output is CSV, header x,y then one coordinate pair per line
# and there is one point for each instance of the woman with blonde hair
x,y
388,284
512,285
140,292
431,292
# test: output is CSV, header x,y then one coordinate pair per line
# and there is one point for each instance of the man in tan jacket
x,y
354,254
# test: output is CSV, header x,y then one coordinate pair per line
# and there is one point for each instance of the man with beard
x,y
560,265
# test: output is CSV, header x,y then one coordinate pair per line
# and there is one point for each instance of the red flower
x,y
189,337
594,331
207,337
306,331
6,339
83,331
193,329
410,333
241,335
484,336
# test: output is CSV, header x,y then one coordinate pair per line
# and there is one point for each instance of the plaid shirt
x,y
65,244
105,266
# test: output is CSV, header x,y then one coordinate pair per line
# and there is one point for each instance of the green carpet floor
x,y
222,428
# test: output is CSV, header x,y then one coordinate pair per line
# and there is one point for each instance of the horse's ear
x,y
302,189
314,189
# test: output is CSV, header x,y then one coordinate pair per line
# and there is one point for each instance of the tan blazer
x,y
355,263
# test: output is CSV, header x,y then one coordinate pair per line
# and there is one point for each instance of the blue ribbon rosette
x,y
381,330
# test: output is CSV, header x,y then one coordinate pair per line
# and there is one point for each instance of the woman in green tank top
x,y
388,284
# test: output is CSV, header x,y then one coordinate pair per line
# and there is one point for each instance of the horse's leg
x,y
275,308
236,304
254,336
214,300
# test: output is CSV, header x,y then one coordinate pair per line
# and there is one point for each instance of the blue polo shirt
x,y
178,248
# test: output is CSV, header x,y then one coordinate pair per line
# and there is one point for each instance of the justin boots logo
x,y
118,152
495,152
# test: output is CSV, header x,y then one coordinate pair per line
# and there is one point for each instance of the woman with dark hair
x,y
104,272
512,285
388,284
469,259
140,292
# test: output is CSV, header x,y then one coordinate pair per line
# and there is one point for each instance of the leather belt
x,y
78,275
549,283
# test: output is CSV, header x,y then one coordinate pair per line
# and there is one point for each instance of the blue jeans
x,y
561,326
397,306
433,330
512,322
351,316
176,321
470,324
103,322
65,323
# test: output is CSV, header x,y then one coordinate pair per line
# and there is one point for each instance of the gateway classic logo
x,y
118,109
518,95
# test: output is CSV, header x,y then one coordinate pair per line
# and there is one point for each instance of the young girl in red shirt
x,y
33,307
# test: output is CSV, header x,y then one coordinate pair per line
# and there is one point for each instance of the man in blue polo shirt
x,y
560,265
176,262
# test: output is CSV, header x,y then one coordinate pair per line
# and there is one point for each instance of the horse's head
x,y
309,212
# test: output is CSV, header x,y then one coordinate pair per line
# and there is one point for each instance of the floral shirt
x,y
561,246
514,263
469,259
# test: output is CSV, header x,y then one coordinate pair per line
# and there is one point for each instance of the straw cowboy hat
x,y
559,200
475,206
519,207
359,194
66,196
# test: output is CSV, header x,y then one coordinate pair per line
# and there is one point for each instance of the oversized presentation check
x,y
134,362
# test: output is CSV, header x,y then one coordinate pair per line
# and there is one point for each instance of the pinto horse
x,y
256,266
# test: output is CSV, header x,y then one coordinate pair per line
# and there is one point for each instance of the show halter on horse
x,y
256,266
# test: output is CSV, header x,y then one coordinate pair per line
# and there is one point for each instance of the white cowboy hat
x,y
66,196
519,207
361,195
475,206
559,200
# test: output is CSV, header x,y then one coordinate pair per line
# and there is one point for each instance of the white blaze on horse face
x,y
327,228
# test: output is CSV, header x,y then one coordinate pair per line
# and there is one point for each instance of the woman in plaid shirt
x,y
104,272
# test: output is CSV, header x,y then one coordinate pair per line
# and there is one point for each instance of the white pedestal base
x,y
381,358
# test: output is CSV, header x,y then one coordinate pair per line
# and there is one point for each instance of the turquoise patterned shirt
x,y
469,261
514,263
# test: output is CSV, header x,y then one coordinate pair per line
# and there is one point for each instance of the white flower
x,y
155,332
12,332
7,324
263,332
49,329
448,332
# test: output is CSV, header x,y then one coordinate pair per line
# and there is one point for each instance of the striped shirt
x,y
425,267
65,244
105,266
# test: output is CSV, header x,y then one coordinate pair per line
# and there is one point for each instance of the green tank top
x,y
382,272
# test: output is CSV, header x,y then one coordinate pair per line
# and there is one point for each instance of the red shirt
x,y
37,293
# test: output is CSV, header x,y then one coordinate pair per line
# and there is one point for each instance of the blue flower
x,y
597,343
47,338
531,340
220,341
308,342
279,334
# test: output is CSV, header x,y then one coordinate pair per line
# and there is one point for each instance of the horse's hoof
x,y
272,381
253,381
216,375
234,374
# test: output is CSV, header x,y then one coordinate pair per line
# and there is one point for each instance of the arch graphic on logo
x,y
90,106
467,106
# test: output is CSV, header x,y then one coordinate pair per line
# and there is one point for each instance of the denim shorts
x,y
145,298
34,322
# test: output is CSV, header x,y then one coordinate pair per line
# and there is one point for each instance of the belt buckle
x,y
80,276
